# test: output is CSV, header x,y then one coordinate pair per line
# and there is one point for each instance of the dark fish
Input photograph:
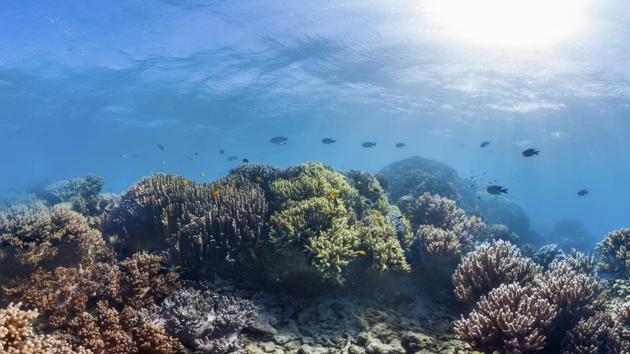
x,y
368,144
196,153
245,160
232,158
530,152
400,145
328,141
221,152
496,190
582,192
484,144
279,140
161,147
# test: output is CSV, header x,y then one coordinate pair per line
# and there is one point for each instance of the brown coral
x,y
110,331
65,292
489,266
34,236
18,337
511,318
615,253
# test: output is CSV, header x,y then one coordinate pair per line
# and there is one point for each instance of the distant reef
x,y
299,260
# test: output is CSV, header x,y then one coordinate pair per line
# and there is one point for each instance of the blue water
x,y
93,86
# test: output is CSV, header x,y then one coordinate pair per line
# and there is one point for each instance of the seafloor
x,y
305,259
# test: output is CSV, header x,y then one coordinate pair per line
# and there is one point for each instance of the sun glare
x,y
508,24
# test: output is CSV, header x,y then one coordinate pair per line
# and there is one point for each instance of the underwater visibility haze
x,y
428,176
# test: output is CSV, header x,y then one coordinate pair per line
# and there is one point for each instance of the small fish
x,y
484,144
368,144
582,192
259,179
371,189
202,174
175,268
221,152
186,183
328,141
215,193
530,152
232,158
496,190
196,153
378,217
125,156
333,195
161,147
245,160
279,140
361,252
400,145
113,238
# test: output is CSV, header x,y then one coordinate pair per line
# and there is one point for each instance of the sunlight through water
x,y
509,24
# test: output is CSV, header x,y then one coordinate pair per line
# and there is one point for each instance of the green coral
x,y
322,215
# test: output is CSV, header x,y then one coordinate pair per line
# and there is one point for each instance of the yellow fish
x,y
215,193
361,252
113,238
178,267
378,217
202,174
371,189
259,179
333,195
186,183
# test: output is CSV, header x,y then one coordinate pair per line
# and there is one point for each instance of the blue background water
x,y
93,86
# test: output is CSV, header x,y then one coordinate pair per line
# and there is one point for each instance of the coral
x,y
205,320
570,234
33,235
501,210
511,318
201,226
81,193
66,292
547,254
321,216
620,332
372,194
18,337
489,266
615,253
581,262
499,232
442,227
121,332
589,336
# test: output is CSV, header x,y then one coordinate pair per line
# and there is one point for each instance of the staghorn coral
x,y
322,217
66,292
589,336
18,337
511,318
205,320
201,226
499,232
489,266
546,254
370,191
620,332
110,331
32,235
581,262
614,250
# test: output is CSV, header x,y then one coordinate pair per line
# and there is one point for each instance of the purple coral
x,y
205,320
489,266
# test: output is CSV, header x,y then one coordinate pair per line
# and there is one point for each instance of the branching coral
x,y
18,337
499,232
202,226
323,217
66,292
615,253
489,266
204,320
547,254
81,193
121,332
589,336
511,318
34,236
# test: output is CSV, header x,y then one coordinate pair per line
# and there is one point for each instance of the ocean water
x,y
96,87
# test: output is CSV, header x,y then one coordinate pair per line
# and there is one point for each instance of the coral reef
x,y
66,292
17,335
614,250
499,232
572,234
83,194
489,266
201,226
120,332
511,318
33,235
589,336
546,254
501,210
206,321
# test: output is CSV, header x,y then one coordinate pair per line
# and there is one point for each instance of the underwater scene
x,y
314,177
